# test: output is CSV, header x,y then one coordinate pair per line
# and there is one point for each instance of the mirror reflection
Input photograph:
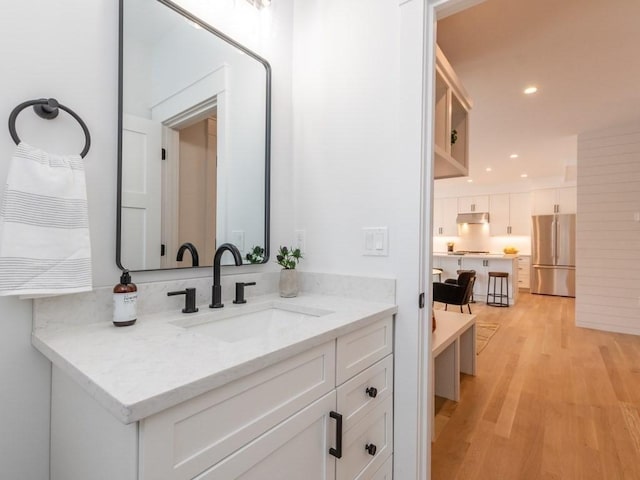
x,y
194,141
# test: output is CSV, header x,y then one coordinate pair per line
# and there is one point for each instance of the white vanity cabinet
x,y
280,422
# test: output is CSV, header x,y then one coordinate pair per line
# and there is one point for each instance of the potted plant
x,y
288,259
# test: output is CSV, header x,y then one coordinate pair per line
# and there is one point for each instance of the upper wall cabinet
x,y
445,211
555,200
452,105
510,214
478,203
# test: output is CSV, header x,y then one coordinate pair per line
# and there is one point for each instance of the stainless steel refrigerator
x,y
553,255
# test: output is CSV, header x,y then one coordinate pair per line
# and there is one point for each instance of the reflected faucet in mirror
x,y
195,259
216,289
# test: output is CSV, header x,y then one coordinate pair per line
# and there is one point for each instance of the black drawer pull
x,y
372,392
337,452
371,449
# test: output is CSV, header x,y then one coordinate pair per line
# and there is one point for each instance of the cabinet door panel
x,y
296,449
182,441
449,214
376,429
499,214
520,213
567,200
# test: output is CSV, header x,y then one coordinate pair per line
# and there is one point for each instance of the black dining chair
x,y
456,291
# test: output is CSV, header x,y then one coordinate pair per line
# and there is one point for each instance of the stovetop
x,y
464,252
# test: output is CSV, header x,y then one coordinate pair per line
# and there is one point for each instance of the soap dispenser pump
x,y
125,300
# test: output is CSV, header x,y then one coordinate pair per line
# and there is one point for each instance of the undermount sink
x,y
251,321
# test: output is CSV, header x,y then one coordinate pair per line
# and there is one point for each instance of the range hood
x,y
476,217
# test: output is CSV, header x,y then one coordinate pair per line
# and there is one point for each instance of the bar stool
x,y
498,299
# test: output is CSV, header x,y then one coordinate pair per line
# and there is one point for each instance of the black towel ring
x,y
47,109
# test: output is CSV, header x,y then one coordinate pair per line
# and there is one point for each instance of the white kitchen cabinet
x,y
524,271
445,211
452,105
478,203
554,200
510,214
278,423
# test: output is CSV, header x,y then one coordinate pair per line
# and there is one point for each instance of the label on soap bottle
x,y
124,307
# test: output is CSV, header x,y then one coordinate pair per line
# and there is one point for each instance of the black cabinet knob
x,y
371,449
372,392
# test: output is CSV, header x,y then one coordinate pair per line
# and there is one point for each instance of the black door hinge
x,y
421,300
164,154
162,250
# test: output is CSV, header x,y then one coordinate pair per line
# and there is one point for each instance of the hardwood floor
x,y
550,401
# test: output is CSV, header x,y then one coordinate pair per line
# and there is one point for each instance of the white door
x,y
298,448
141,193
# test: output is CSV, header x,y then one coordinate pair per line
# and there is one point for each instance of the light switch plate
x,y
375,241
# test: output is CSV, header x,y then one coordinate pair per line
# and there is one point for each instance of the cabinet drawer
x,y
184,440
354,402
362,348
375,429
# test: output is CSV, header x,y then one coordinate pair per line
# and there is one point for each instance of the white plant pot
x,y
288,283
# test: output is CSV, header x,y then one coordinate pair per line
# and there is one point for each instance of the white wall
x,y
357,164
608,230
66,50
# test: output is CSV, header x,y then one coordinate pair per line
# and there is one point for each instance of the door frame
x,y
434,10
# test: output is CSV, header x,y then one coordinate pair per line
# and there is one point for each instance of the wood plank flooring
x,y
550,401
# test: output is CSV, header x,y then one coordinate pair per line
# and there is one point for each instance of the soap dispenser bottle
x,y
125,299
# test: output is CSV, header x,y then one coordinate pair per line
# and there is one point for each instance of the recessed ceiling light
x,y
530,90
469,180
513,155
488,169
523,175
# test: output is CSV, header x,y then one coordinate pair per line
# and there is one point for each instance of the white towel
x,y
44,225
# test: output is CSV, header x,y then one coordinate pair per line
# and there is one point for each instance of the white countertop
x,y
143,369
449,326
476,255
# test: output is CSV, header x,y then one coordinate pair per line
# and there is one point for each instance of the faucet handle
x,y
240,291
189,299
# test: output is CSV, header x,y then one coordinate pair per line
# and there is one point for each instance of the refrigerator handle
x,y
554,241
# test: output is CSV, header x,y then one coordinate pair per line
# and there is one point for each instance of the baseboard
x,y
607,327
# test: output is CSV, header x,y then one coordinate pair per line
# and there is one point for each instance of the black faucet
x,y
216,289
195,260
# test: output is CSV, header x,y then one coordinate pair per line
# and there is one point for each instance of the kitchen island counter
x,y
482,263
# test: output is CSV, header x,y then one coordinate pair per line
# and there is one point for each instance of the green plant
x,y
288,258
454,136
256,255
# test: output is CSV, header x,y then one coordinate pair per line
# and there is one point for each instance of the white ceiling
x,y
581,54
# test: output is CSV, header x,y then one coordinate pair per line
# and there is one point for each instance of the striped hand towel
x,y
44,225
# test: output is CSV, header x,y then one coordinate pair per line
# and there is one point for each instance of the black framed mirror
x,y
194,130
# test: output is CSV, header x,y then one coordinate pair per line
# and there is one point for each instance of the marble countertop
x,y
143,369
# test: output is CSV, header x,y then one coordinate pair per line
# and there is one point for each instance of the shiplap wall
x,y
608,232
